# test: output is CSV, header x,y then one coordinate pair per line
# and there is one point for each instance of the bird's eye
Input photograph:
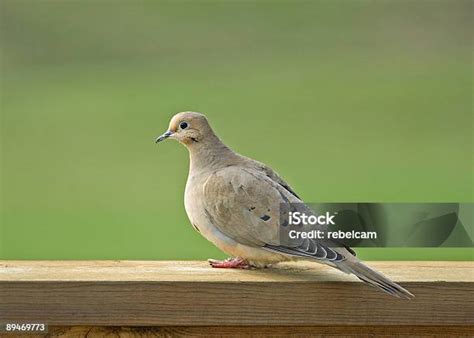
x,y
183,125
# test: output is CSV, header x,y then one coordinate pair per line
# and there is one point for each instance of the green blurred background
x,y
348,100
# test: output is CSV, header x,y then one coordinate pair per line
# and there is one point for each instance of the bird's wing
x,y
245,204
270,173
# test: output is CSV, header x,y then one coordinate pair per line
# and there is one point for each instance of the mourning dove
x,y
235,201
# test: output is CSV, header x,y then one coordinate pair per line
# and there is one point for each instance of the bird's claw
x,y
230,263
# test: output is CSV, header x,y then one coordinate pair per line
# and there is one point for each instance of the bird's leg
x,y
230,263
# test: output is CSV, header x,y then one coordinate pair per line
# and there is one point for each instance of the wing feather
x,y
245,204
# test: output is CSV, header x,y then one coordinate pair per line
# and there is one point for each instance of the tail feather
x,y
374,278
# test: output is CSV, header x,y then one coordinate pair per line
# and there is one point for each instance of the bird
x,y
234,202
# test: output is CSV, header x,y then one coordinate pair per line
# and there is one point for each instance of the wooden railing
x,y
186,297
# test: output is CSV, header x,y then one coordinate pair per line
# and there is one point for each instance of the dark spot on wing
x,y
251,208
265,218
196,227
350,250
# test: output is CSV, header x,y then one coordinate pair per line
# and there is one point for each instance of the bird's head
x,y
188,128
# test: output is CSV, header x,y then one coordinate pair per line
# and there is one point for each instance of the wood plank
x,y
136,293
198,271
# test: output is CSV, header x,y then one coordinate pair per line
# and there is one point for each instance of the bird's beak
x,y
164,136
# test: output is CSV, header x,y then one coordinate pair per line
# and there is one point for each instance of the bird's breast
x,y
193,201
194,204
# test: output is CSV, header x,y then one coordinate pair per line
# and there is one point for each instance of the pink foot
x,y
230,263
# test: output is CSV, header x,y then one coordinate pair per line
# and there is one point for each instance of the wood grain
x,y
135,293
198,271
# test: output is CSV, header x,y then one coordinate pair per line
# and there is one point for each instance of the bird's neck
x,y
209,154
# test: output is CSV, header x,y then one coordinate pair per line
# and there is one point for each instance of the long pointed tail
x,y
374,278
